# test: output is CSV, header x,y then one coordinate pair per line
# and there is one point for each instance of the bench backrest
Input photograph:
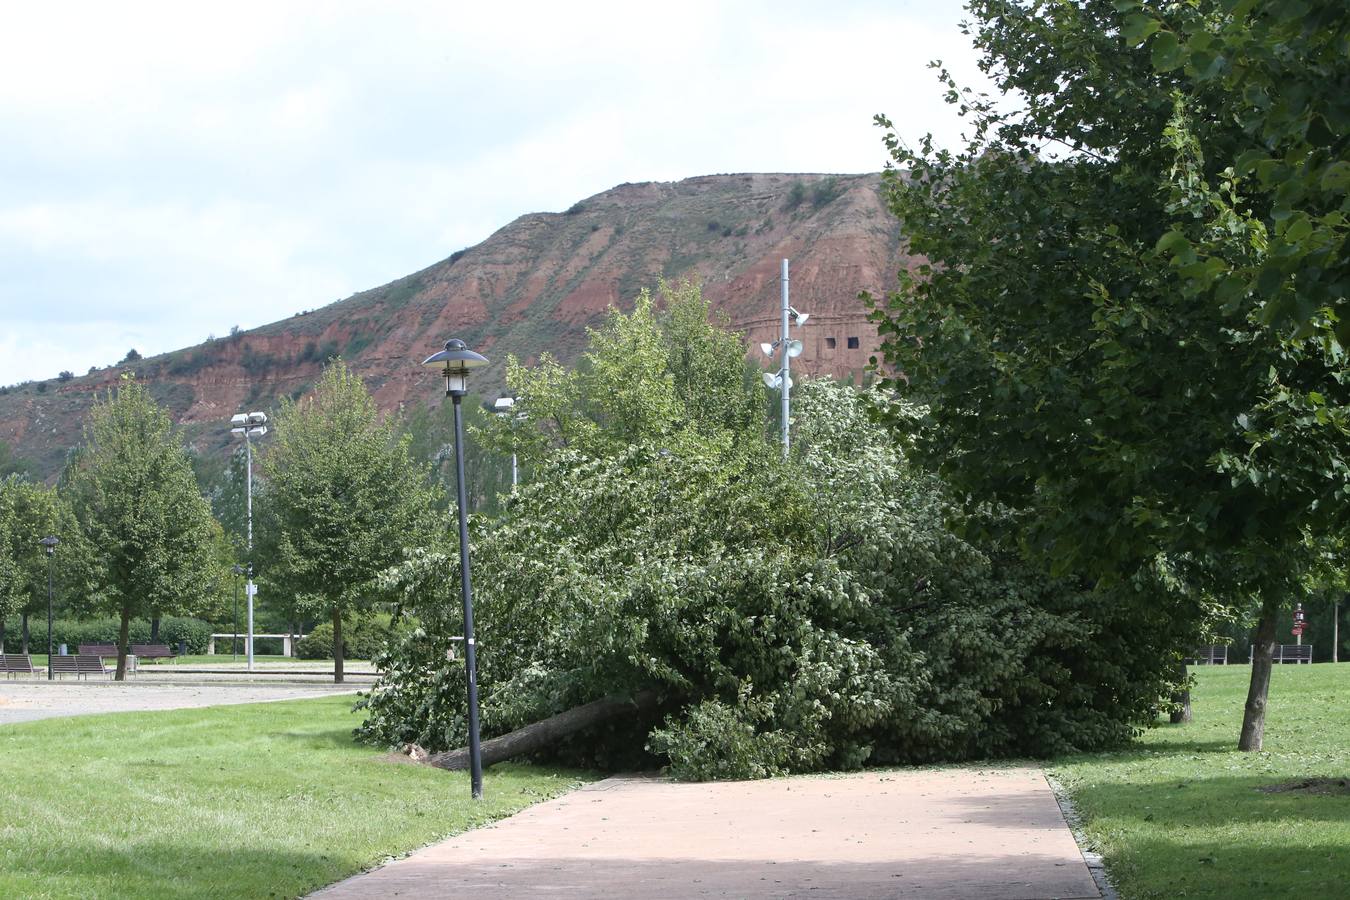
x,y
86,664
64,664
98,649
151,651
16,662
1294,651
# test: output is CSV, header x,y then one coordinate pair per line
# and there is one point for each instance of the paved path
x,y
23,700
971,834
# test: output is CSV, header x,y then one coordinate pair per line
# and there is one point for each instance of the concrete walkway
x,y
25,700
972,834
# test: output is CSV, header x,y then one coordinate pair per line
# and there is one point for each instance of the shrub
x,y
362,639
72,633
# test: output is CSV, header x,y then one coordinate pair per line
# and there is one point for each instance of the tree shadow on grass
x,y
75,866
1179,803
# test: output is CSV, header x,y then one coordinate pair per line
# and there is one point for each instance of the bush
x,y
72,633
362,639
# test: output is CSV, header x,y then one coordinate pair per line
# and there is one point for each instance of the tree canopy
x,y
1128,325
150,533
788,616
344,500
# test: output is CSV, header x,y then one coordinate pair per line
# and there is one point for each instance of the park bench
x,y
103,651
152,651
81,665
1287,653
17,664
1213,655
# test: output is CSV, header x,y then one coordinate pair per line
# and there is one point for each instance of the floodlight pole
x,y
248,588
50,544
786,340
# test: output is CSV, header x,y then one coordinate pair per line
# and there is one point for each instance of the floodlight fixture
x,y
798,318
455,361
794,349
768,349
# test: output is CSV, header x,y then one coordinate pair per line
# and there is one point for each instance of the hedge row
x,y
72,633
360,640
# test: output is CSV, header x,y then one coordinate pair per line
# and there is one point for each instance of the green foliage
x,y
73,632
343,500
361,639
151,534
30,511
791,617
13,465
1097,346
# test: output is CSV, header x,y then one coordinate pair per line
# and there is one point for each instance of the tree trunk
x,y
2,634
541,734
1263,647
294,627
123,637
337,647
1181,712
23,631
154,630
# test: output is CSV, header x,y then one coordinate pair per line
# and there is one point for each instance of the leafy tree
x,y
783,616
13,465
344,500
1138,345
136,500
29,511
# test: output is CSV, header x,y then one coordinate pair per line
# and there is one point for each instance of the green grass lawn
x,y
266,800
40,659
1182,813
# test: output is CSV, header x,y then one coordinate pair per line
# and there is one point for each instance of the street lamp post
x,y
234,642
49,543
250,425
455,361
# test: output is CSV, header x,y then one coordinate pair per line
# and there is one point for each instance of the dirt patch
x,y
1320,786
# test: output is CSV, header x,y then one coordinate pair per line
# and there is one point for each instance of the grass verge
x,y
263,800
1183,814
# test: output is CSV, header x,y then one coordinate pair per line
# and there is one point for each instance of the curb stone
x,y
1096,865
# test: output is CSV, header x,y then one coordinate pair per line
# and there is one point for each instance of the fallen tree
x,y
540,735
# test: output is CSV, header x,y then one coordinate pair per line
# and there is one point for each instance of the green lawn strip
x,y
1181,813
260,800
199,659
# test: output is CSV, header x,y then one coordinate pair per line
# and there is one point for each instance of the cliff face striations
x,y
534,286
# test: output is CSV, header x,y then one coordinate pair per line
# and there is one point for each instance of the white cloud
x,y
172,169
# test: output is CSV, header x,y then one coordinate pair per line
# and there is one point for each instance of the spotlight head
x,y
767,349
798,318
794,349
771,380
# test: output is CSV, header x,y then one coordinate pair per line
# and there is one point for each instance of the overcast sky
x,y
170,170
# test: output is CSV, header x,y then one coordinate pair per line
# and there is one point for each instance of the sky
x,y
169,171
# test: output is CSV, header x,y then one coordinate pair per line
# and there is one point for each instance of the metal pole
x,y
466,591
234,641
248,647
50,554
784,343
513,470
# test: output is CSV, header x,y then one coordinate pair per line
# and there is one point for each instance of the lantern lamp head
x,y
455,361
50,543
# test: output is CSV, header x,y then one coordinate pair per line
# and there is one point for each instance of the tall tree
x,y
29,511
344,500
136,499
1138,344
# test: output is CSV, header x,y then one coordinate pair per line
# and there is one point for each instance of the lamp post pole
x,y
457,360
49,543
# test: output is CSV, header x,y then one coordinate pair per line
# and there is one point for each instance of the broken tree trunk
x,y
541,734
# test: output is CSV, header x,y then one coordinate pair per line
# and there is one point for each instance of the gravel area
x,y
25,700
